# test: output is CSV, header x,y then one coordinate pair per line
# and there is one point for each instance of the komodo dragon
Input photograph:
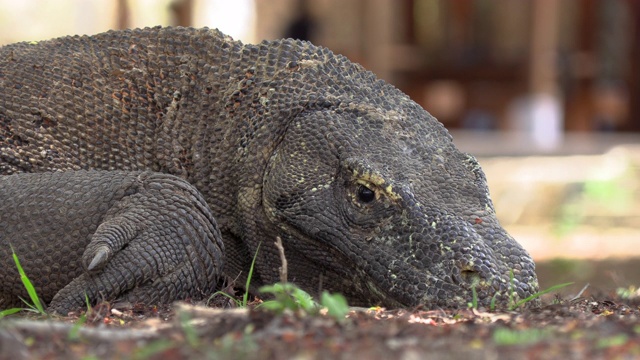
x,y
141,165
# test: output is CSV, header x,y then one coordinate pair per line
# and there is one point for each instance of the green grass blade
x,y
86,301
511,298
474,299
30,306
189,331
538,294
8,312
245,297
74,333
492,305
28,285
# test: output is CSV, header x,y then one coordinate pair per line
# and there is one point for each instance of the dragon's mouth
x,y
373,280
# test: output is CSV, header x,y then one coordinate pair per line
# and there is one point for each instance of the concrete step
x,y
580,200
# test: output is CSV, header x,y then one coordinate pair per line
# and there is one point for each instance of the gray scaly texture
x,y
365,188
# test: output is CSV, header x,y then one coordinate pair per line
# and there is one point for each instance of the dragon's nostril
x,y
471,277
467,278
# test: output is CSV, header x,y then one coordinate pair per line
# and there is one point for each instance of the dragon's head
x,y
372,199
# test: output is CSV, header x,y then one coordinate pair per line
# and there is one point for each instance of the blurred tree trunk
x,y
580,107
123,15
544,42
182,12
634,83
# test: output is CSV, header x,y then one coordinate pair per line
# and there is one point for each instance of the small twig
x,y
580,293
283,259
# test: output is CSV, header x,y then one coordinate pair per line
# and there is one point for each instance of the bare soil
x,y
592,326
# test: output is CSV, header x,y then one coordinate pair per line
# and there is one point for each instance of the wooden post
x,y
634,82
378,35
182,12
544,105
123,18
544,43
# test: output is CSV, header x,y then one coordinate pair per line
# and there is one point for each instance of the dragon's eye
x,y
365,194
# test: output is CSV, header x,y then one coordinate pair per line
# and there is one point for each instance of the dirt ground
x,y
601,323
592,326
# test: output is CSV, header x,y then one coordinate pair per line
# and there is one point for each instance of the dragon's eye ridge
x,y
365,194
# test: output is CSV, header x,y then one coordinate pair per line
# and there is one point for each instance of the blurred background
x,y
546,93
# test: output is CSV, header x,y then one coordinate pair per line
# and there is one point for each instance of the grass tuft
x,y
245,298
538,294
35,305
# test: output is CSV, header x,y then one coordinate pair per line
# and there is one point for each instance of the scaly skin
x,y
365,188
114,225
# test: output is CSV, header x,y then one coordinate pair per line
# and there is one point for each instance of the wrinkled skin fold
x,y
415,241
281,139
